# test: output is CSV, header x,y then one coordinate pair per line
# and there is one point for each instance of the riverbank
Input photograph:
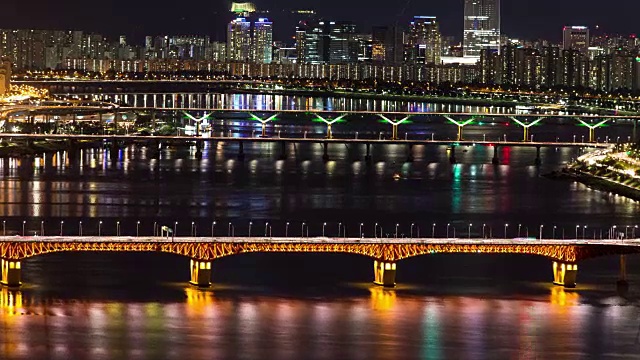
x,y
21,149
596,182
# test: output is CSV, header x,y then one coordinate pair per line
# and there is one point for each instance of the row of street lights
x,y
487,231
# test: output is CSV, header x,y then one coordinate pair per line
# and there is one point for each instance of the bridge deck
x,y
317,240
305,140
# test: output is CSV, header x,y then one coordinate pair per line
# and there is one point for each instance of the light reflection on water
x,y
385,324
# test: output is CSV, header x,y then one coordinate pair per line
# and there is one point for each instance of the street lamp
x,y
4,228
324,225
42,228
175,229
117,228
584,229
61,223
250,224
577,227
626,231
302,230
375,231
469,234
397,225
99,227
286,230
229,229
541,226
266,227
483,233
138,229
80,228
633,231
519,227
23,223
505,230
213,228
433,230
412,225
554,232
361,233
339,229
193,228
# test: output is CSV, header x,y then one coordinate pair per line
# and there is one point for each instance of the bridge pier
x,y
367,157
283,150
410,157
200,273
452,155
199,146
325,156
384,273
622,284
496,157
240,150
113,150
11,276
538,160
564,274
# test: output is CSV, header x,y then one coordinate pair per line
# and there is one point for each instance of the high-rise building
x,y
576,38
5,75
343,46
239,40
424,41
262,45
481,26
316,43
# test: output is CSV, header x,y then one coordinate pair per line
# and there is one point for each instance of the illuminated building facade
x,y
262,42
481,26
239,40
424,41
575,38
5,75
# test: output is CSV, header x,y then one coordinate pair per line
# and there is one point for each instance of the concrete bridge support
x,y
564,274
199,146
240,150
452,155
496,157
538,160
384,273
622,284
200,273
367,157
410,157
283,150
325,155
11,276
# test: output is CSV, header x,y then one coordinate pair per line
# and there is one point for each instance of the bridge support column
x,y
114,150
622,283
283,150
199,146
564,274
452,155
538,160
384,273
11,273
394,135
496,157
367,157
241,150
410,157
200,273
325,156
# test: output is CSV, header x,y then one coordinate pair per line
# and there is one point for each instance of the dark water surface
x,y
303,306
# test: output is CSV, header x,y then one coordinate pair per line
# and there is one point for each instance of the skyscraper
x,y
576,38
424,43
239,40
481,26
262,47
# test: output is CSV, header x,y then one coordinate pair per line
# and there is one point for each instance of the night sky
x,y
136,18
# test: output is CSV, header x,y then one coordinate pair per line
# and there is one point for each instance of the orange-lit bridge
x,y
565,254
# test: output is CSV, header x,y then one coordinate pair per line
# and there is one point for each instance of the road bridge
x,y
386,252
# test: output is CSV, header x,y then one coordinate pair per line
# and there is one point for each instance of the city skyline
x,y
204,18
